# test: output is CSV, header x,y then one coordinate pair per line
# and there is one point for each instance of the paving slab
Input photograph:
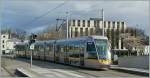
x,y
50,73
4,73
48,69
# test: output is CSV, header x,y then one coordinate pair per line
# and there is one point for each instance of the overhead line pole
x,y
67,26
103,32
0,52
0,43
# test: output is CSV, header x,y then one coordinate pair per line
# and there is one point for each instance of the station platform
x,y
37,72
4,73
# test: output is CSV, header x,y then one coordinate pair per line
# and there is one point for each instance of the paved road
x,y
4,73
48,68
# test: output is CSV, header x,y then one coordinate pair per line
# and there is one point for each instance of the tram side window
x,y
76,51
50,48
65,49
71,50
41,50
91,50
35,50
82,47
38,48
90,47
58,48
61,49
47,50
22,48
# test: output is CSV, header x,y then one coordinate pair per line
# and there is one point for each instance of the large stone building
x,y
94,26
4,38
8,43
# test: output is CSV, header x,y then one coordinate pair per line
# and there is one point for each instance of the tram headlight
x,y
105,61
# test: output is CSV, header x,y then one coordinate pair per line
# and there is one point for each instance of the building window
x,y
86,31
73,22
132,32
83,23
81,31
3,41
121,43
78,22
76,32
122,27
97,23
122,23
3,36
113,24
108,24
94,23
69,23
112,38
127,30
88,23
117,44
104,24
91,31
3,46
117,25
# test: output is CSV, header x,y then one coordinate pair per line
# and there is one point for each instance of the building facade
x,y
112,29
4,39
147,50
8,43
10,47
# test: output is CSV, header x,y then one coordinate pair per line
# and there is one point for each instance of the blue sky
x,y
17,13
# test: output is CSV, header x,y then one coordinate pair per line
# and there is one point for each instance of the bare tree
x,y
50,34
133,40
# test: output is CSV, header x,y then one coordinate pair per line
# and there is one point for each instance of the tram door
x,y
81,56
66,58
56,53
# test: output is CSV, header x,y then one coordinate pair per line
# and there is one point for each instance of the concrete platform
x,y
131,70
27,73
36,71
52,70
4,73
46,73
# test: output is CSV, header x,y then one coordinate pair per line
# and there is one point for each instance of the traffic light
x,y
32,38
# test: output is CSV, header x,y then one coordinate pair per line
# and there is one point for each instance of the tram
x,y
90,51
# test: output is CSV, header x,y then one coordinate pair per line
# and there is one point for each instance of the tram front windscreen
x,y
102,47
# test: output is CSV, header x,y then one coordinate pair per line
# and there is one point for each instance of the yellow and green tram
x,y
90,51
